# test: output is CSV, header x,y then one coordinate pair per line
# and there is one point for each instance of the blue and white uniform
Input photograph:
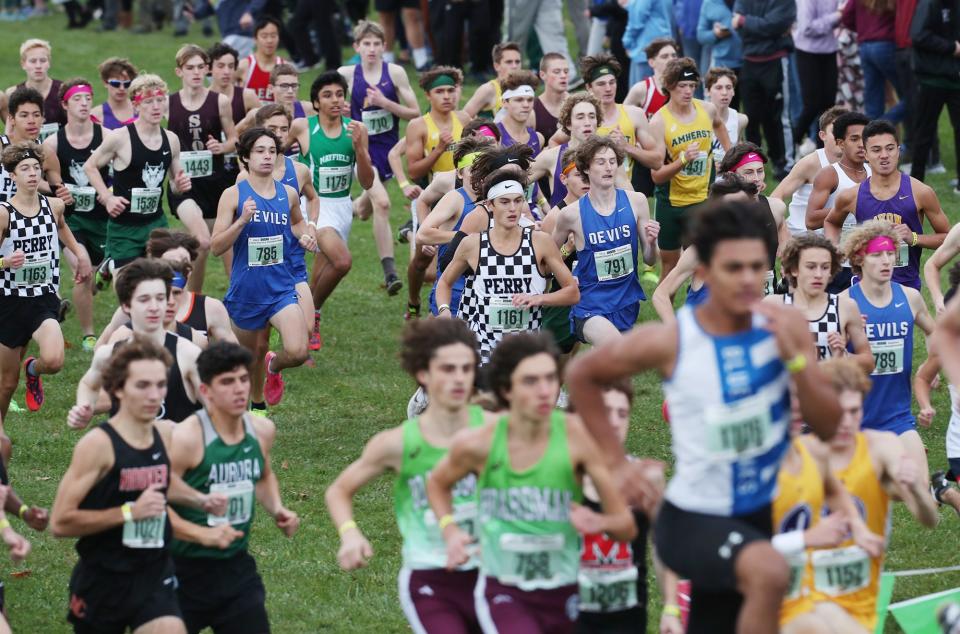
x,y
457,290
890,331
298,264
606,267
261,283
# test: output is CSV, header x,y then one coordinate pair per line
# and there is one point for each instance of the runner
x,y
809,261
223,69
284,83
73,144
380,96
519,90
799,182
876,469
890,311
729,376
32,229
334,147
23,126
649,94
687,126
253,217
223,449
441,356
487,100
943,256
200,118
530,466
555,75
35,62
611,228
721,84
116,73
506,268
144,291
849,171
890,195
114,497
253,71
142,154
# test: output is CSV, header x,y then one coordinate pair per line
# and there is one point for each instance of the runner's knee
x,y
760,569
52,359
341,262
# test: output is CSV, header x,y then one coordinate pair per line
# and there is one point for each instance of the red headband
x,y
749,157
569,168
878,244
147,94
75,90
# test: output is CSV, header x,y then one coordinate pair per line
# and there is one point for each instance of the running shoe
x,y
316,341
88,343
393,284
412,312
405,232
939,485
273,385
34,387
65,305
417,404
650,275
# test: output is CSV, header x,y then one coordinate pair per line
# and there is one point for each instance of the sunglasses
x,y
119,83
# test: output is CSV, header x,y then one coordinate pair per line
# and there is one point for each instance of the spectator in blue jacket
x,y
714,30
646,21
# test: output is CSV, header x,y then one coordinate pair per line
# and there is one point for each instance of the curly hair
x,y
591,63
427,77
589,148
514,159
675,69
423,337
565,117
519,78
858,238
510,353
795,246
137,348
737,152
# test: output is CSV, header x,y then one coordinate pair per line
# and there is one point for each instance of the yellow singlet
x,y
497,102
628,130
847,575
690,185
445,162
797,507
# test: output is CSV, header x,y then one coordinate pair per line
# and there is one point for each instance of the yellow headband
x,y
467,160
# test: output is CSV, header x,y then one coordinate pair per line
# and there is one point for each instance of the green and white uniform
x,y
526,539
332,162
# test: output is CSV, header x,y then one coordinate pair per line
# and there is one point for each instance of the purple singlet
x,y
901,208
559,191
110,121
384,128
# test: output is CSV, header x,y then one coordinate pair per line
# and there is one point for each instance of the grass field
x,y
355,390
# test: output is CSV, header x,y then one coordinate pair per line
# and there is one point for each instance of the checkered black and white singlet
x,y
7,187
820,328
37,237
487,294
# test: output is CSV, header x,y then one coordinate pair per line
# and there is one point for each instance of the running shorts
x,y
22,316
439,600
672,221
126,243
623,320
256,316
203,191
226,595
92,234
504,609
338,214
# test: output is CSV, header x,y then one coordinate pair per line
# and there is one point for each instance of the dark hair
x,y
475,124
498,49
714,74
624,386
248,138
325,79
21,96
270,110
846,120
510,352
470,144
589,148
716,221
422,338
263,22
13,154
70,83
162,240
427,77
519,78
513,160
137,348
184,268
830,115
565,116
794,248
953,278
591,63
113,66
220,49
221,357
676,68
872,129
731,183
736,153
654,47
142,270
501,175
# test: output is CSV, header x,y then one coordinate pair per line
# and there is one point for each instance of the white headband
x,y
520,91
504,187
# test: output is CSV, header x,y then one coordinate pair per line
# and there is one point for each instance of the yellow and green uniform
x,y
330,160
798,506
847,575
629,131
497,101
526,539
445,162
423,545
233,470
691,184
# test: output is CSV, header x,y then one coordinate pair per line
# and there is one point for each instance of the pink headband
x,y
749,157
147,94
486,130
878,244
79,89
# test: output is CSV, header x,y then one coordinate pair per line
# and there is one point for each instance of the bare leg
x,y
227,256
840,621
162,625
257,342
413,26
326,277
668,260
762,579
9,376
809,623
599,330
382,234
305,300
49,340
82,297
192,218
290,324
416,271
388,20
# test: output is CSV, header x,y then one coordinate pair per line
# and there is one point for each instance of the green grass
x,y
328,413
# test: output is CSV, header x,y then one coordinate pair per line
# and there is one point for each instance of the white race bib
x,y
377,121
48,129
798,566
333,180
265,250
84,198
529,558
144,200
145,533
239,502
739,430
615,263
887,356
696,167
605,590
34,272
505,316
840,571
903,255
768,283
197,164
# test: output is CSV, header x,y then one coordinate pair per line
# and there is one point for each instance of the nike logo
x,y
166,153
156,456
899,305
902,197
247,449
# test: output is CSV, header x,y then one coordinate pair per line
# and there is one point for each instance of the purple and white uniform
x,y
900,209
383,126
534,143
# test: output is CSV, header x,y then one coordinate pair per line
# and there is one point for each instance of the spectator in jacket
x,y
764,27
816,61
873,20
715,32
936,48
687,14
646,21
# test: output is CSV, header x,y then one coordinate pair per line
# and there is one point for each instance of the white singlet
x,y
797,217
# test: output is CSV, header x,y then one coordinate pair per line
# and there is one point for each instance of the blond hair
x,y
846,374
858,238
365,28
146,81
191,50
34,42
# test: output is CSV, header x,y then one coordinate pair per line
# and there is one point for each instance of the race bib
x,y
84,198
903,255
696,167
769,281
265,250
377,121
197,164
739,430
849,224
604,590
48,129
239,502
530,558
33,272
145,200
333,180
840,571
145,533
887,356
507,317
615,263
798,565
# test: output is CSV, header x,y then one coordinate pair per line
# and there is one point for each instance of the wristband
x,y
916,239
796,364
403,184
1,262
789,544
683,158
127,512
564,252
445,521
671,610
442,307
23,510
348,525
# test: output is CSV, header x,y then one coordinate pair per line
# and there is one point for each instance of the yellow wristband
x,y
796,364
445,521
4,523
564,252
671,610
1,262
916,239
403,184
23,510
348,525
127,512
683,159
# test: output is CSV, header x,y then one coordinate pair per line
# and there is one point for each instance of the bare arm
x,y
824,184
798,176
419,164
445,211
843,205
855,334
92,457
569,292
228,225
481,98
668,287
934,212
457,267
944,254
408,108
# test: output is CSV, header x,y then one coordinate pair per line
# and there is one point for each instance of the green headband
x,y
467,160
599,72
442,80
